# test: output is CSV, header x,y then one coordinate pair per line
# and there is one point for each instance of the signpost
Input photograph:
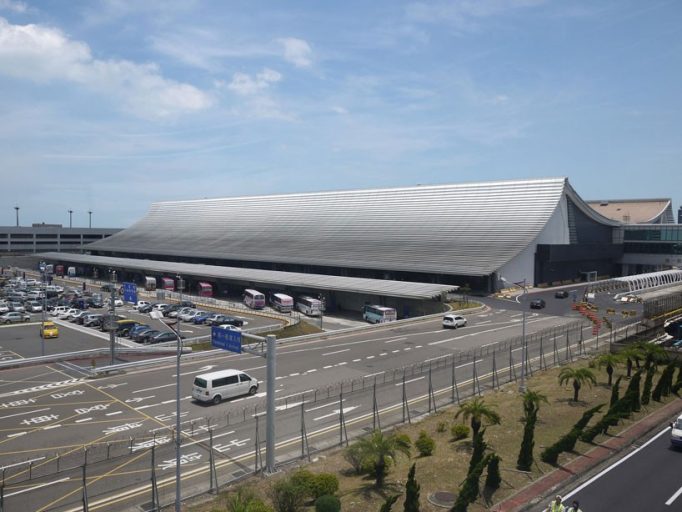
x,y
226,339
130,292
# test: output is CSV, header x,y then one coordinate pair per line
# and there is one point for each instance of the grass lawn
x,y
446,468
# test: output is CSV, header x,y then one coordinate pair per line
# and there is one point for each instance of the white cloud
x,y
462,13
44,54
246,85
11,5
340,110
296,51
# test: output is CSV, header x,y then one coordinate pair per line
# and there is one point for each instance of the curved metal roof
x,y
636,211
379,287
465,229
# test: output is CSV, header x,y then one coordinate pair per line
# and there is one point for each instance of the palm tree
x,y
478,410
531,402
380,450
610,361
579,376
653,354
631,353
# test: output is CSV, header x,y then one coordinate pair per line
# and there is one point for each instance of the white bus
x,y
254,299
309,306
378,314
282,303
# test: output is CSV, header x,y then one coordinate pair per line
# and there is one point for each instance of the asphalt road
x,y
648,479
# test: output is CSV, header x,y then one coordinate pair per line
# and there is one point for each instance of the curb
x,y
579,467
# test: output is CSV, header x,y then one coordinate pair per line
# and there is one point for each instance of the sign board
x,y
226,339
130,292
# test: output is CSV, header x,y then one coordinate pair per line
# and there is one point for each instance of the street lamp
x,y
178,440
16,208
70,218
112,319
89,218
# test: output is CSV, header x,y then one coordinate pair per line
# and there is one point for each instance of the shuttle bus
x,y
150,284
309,306
282,303
378,314
254,299
168,284
205,289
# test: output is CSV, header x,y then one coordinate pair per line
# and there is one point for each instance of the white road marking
x,y
369,357
396,339
22,413
336,412
341,363
29,489
215,436
323,406
394,351
294,374
485,332
419,346
372,374
150,389
113,413
18,434
490,344
50,427
468,364
358,360
82,420
407,349
311,371
21,463
408,381
336,352
328,366
674,497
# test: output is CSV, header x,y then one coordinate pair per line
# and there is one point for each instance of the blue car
x,y
201,319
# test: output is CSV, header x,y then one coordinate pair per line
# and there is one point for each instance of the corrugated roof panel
x,y
468,229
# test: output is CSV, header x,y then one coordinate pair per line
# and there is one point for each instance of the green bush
x,y
304,479
287,496
245,501
327,503
355,457
324,484
459,431
442,427
425,445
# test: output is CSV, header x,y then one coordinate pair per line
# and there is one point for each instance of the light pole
x,y
112,319
70,218
178,440
89,218
42,334
16,209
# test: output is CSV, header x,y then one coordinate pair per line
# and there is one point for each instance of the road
x,y
646,479
50,410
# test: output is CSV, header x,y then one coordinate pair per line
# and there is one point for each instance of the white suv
x,y
453,321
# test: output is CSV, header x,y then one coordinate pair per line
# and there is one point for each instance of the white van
x,y
676,432
217,386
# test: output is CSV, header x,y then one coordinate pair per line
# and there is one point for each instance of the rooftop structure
x,y
636,211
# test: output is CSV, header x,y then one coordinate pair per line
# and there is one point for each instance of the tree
x,y
631,353
531,402
478,410
525,458
412,492
493,478
608,361
380,451
479,447
470,488
614,392
646,392
388,504
579,376
652,354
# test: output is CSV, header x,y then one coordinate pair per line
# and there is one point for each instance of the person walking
x,y
575,507
556,505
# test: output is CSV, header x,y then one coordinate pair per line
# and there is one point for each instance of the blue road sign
x,y
130,292
226,339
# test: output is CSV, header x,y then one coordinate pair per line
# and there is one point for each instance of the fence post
x,y
454,392
406,406
257,449
432,397
342,422
211,461
2,492
155,489
543,363
304,434
376,421
474,381
512,370
569,356
86,507
556,354
495,378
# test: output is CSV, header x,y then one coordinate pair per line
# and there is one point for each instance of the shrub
x,y
525,458
459,431
646,392
245,501
478,453
287,496
324,484
327,503
304,479
411,491
356,458
425,444
442,427
493,478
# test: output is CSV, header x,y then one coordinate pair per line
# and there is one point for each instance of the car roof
x,y
220,373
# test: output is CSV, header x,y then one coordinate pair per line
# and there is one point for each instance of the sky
x,y
110,105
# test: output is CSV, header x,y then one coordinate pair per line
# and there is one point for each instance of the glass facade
x,y
662,233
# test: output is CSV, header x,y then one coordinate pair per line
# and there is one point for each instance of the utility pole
x,y
89,218
522,386
112,319
70,218
178,435
16,209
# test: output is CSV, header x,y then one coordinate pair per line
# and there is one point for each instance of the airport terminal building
x,y
475,234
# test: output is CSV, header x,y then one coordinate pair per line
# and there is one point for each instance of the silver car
x,y
14,317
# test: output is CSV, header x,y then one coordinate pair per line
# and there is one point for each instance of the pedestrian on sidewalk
x,y
556,505
575,507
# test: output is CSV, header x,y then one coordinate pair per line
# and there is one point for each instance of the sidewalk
x,y
542,490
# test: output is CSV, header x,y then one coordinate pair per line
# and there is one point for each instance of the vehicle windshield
x,y
200,383
678,424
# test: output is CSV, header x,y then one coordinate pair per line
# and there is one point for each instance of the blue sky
x,y
111,105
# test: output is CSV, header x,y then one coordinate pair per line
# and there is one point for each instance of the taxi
x,y
49,330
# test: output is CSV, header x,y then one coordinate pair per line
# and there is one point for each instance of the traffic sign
x,y
130,292
226,339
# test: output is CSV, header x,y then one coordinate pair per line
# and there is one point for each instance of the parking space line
x,y
23,413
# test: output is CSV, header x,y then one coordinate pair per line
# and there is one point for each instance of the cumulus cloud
x,y
11,5
44,54
247,85
296,51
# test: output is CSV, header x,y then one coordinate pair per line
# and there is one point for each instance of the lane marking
x,y
467,364
22,413
82,420
21,463
397,339
113,413
157,387
674,497
336,352
408,381
50,427
323,406
336,412
29,489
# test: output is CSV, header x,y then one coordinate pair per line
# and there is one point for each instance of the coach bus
x,y
168,284
309,306
149,283
205,289
254,299
378,314
281,302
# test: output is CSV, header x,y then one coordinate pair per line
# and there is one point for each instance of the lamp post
x,y
112,319
178,440
70,218
89,218
16,209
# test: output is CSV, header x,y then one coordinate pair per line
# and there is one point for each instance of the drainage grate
x,y
148,507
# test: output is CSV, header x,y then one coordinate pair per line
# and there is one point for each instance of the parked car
x,y
58,310
561,294
139,334
162,337
138,328
34,306
231,320
160,307
201,317
140,303
454,321
77,316
117,302
537,304
49,330
144,336
17,307
229,327
92,319
180,311
14,317
145,309
188,304
4,308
